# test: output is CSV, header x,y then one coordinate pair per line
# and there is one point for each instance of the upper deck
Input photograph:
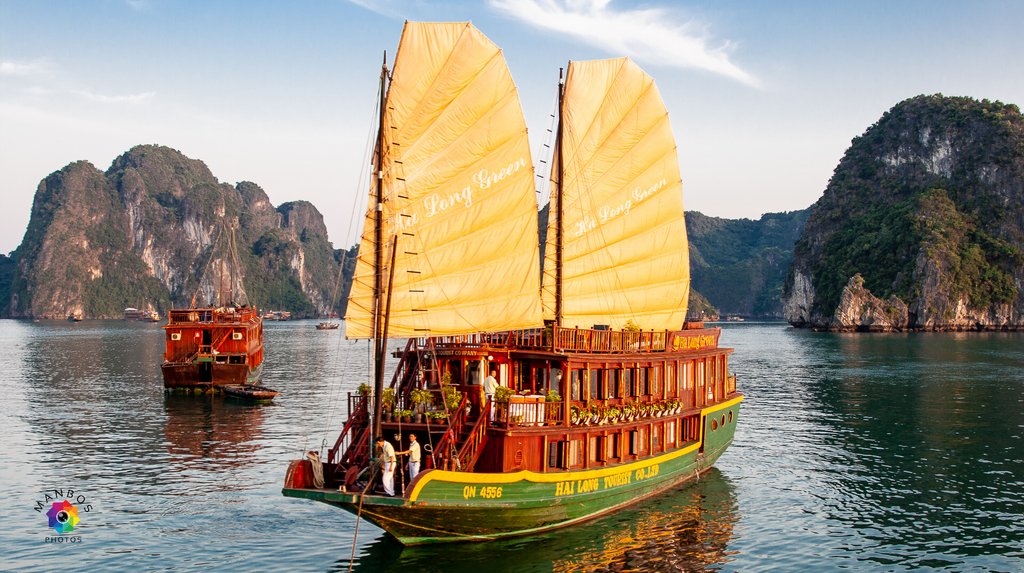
x,y
211,315
584,341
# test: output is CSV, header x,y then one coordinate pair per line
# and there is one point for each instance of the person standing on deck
x,y
490,387
387,460
414,456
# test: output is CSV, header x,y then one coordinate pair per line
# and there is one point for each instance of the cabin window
x,y
555,381
575,377
634,442
655,382
627,382
691,429
670,433
613,383
598,390
656,438
556,454
175,336
575,453
599,448
616,446
701,372
472,372
642,382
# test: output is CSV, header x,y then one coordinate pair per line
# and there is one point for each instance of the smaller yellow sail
x,y
625,253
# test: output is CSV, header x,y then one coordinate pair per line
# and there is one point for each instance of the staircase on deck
x,y
460,447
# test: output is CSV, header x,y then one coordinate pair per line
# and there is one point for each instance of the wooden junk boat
x,y
207,347
586,420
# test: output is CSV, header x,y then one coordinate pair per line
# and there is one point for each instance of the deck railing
x,y
561,339
470,451
194,315
347,441
447,449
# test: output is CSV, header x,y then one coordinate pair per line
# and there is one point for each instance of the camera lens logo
x,y
63,516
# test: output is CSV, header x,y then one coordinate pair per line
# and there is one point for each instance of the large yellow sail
x,y
624,239
459,205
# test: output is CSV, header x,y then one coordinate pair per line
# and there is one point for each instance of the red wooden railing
x,y
470,451
354,437
449,442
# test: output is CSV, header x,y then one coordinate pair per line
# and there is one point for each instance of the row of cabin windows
x,y
613,383
569,454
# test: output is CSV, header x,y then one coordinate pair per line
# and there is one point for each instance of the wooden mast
x,y
559,171
379,336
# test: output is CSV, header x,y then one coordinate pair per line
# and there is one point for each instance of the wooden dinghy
x,y
249,392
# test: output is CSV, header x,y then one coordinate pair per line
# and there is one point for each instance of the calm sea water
x,y
854,452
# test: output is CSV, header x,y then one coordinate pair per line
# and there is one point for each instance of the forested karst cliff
x,y
145,232
921,225
740,265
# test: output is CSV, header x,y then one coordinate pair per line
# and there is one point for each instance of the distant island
x,y
141,234
920,228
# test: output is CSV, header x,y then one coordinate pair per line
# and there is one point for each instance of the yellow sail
x,y
624,239
459,203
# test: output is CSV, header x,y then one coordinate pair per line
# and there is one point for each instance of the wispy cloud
x,y
103,98
33,68
655,35
389,8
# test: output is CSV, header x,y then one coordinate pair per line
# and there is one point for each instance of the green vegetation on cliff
x,y
145,234
928,206
740,265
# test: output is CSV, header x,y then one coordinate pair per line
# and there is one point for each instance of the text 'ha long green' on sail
x,y
457,194
624,253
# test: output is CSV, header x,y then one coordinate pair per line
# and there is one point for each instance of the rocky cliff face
x,y
925,211
740,265
148,233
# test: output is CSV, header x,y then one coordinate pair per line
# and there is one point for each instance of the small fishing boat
x,y
251,392
530,421
327,325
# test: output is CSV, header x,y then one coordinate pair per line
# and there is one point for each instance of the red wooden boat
x,y
212,347
216,345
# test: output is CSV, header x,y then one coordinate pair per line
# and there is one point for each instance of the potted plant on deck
x,y
452,399
387,401
420,398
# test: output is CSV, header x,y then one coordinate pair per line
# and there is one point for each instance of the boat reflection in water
x,y
222,432
687,529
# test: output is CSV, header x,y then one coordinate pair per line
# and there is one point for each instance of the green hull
x,y
443,506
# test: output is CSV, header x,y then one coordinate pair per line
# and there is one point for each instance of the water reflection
x,y
219,430
917,448
688,529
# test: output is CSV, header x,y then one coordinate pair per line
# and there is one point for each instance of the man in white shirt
x,y
387,459
490,387
414,456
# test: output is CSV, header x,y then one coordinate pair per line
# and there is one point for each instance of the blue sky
x,y
764,97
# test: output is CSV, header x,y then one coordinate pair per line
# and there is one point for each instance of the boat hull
x,y
184,376
443,506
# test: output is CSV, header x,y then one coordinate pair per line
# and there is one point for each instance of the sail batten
x,y
459,192
624,251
